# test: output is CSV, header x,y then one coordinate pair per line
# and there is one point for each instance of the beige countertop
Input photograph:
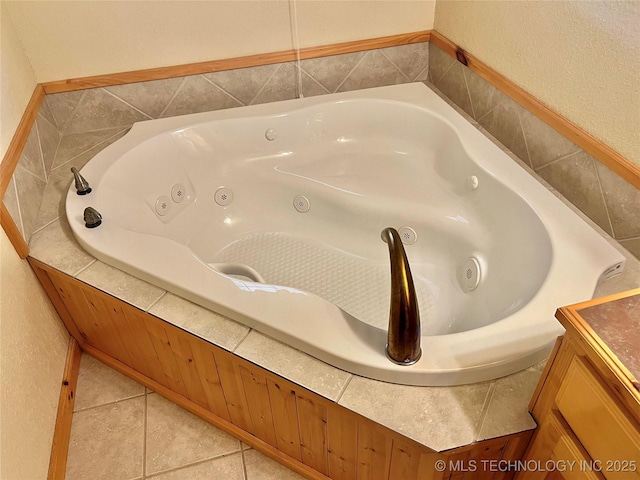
x,y
617,323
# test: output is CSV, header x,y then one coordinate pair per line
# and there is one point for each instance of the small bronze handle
x,y
92,217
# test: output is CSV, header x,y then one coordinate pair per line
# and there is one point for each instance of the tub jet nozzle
x,y
82,186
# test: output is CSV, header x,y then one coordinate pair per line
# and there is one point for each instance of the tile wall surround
x,y
606,198
72,127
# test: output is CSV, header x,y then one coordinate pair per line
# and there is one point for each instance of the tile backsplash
x,y
605,197
72,127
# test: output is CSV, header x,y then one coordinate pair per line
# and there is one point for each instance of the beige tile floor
x,y
122,431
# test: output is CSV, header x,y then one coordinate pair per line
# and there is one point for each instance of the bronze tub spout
x,y
403,338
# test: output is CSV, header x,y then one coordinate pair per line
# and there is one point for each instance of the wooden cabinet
x,y
555,452
587,406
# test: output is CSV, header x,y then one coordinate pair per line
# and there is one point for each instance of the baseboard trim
x,y
233,63
62,432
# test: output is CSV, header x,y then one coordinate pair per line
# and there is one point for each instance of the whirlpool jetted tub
x,y
272,214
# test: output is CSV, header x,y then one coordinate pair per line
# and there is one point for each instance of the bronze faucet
x,y
403,337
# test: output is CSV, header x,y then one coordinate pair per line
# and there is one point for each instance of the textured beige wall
x,y
578,57
67,39
17,80
325,22
33,342
33,347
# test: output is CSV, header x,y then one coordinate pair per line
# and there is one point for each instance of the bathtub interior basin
x,y
272,215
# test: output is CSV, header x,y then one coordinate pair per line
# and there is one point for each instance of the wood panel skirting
x,y
309,434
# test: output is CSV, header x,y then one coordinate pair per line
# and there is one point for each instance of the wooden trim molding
x,y
605,154
62,432
9,163
232,63
12,156
11,229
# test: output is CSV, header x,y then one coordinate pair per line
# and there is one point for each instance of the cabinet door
x,y
555,454
605,429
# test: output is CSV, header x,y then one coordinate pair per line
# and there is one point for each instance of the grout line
x,y
426,78
46,225
64,127
46,106
84,268
193,464
114,402
488,112
126,103
31,173
445,72
604,199
241,340
174,96
351,71
631,237
23,155
466,85
222,89
564,157
380,50
54,168
302,72
524,136
55,155
15,191
156,301
344,388
215,85
244,465
41,115
42,118
266,83
44,167
484,411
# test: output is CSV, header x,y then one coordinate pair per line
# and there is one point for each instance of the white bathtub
x,y
319,279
